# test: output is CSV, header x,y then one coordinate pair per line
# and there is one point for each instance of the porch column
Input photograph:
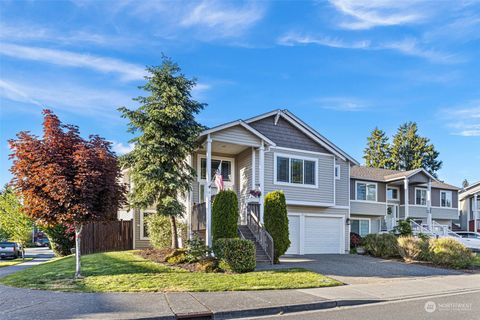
x,y
406,195
475,212
429,205
261,178
253,169
208,193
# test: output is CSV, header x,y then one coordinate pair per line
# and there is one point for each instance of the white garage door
x,y
294,231
323,235
320,234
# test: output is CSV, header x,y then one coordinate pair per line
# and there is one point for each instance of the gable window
x,y
366,191
225,169
360,226
420,197
337,171
295,170
446,199
392,194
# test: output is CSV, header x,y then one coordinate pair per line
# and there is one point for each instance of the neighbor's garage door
x,y
321,234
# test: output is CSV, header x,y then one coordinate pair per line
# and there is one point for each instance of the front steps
x,y
261,256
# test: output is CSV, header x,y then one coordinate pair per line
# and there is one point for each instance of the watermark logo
x,y
430,306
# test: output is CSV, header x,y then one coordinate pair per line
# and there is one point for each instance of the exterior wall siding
x,y
342,184
238,135
323,193
284,134
138,243
367,208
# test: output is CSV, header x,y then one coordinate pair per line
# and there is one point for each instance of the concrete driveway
x,y
357,269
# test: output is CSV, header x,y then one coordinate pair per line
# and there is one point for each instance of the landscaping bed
x,y
128,272
8,263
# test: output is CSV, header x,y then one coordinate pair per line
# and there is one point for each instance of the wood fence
x,y
107,236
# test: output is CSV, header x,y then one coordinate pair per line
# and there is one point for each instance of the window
x,y
446,199
295,170
421,197
143,225
361,227
225,169
392,194
366,191
337,171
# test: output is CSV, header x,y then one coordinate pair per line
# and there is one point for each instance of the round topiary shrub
x,y
225,215
276,222
451,253
235,255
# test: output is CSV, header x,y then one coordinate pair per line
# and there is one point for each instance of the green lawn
x,y
7,263
127,272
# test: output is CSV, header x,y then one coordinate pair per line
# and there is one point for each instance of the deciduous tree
x,y
63,178
14,224
168,131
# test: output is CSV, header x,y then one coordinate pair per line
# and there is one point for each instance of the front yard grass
x,y
8,263
127,272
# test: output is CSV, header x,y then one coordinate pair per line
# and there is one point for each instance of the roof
x,y
470,190
387,175
309,131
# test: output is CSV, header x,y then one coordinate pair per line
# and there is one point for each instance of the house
x,y
470,207
379,198
328,193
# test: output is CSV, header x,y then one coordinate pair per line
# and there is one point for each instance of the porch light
x,y
348,221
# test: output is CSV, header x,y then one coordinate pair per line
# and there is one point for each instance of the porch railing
x,y
263,237
199,217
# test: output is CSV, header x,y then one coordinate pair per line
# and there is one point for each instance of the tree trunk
x,y
173,224
78,232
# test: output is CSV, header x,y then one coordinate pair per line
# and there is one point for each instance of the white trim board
x,y
367,182
290,184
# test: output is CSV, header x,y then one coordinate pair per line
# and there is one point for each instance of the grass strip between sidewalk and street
x,y
8,263
127,272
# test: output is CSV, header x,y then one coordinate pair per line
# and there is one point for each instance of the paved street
x,y
357,269
39,255
447,307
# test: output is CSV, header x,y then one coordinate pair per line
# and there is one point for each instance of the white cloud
x,y
292,38
121,148
342,104
127,71
366,14
465,121
68,97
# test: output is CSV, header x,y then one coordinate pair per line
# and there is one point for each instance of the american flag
x,y
219,180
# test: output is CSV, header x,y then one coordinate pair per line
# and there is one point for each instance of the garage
x,y
316,234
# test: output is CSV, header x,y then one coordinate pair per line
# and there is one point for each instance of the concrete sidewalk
x,y
39,255
18,303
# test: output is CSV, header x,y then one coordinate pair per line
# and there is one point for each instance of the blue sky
x,y
342,66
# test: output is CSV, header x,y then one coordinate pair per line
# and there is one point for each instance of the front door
x,y
392,216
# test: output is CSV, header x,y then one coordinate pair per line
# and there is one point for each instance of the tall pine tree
x,y
167,131
411,151
377,152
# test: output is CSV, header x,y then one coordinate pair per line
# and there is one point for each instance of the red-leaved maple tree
x,y
63,178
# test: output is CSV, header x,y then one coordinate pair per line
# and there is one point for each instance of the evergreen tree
x,y
411,151
168,131
465,184
377,152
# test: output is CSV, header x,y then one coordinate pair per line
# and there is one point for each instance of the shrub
x,y
62,239
160,230
404,228
412,248
235,255
451,253
276,222
196,249
381,245
355,240
209,264
177,256
225,215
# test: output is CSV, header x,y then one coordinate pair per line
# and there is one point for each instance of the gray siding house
x,y
470,207
380,197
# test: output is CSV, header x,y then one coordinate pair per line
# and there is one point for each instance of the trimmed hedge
x,y
276,222
451,253
160,230
225,215
381,245
235,255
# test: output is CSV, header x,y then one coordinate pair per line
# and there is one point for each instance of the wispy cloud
x,y
121,148
410,47
127,71
366,14
464,120
342,104
67,97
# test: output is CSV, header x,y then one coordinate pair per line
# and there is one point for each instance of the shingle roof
x,y
385,175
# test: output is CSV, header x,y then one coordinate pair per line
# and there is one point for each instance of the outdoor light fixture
x,y
348,221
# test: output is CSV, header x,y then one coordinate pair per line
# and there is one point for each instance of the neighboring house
x,y
470,207
379,198
327,192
